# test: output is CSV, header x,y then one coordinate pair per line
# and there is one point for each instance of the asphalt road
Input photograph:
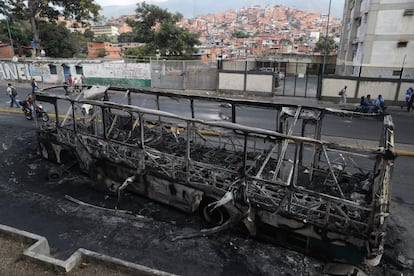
x,y
29,202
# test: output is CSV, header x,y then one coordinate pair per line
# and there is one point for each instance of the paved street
x,y
39,206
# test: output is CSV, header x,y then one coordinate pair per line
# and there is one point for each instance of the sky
x,y
192,8
122,2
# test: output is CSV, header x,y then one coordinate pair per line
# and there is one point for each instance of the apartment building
x,y
377,39
105,30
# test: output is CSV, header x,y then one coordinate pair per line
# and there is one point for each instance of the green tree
x,y
104,38
17,32
89,35
126,37
320,46
239,34
101,52
58,42
173,40
147,17
32,10
81,43
157,28
139,52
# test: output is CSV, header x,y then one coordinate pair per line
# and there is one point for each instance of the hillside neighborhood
x,y
247,32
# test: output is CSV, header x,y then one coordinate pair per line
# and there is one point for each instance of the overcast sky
x,y
192,8
122,2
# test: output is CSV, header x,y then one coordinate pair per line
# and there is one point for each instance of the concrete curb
x,y
10,110
39,251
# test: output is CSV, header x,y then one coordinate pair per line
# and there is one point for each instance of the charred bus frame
x,y
324,196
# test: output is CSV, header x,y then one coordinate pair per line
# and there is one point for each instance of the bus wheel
x,y
213,216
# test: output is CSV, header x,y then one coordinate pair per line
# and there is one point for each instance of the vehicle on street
x,y
28,110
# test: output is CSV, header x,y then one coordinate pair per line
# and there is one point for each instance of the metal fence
x,y
292,78
173,74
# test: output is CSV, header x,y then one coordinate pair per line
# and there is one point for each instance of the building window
x,y
402,44
396,72
79,69
408,12
52,69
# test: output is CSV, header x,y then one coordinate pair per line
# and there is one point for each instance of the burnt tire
x,y
215,217
55,174
45,117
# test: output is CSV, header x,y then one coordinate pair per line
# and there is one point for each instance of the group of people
x,y
368,105
74,84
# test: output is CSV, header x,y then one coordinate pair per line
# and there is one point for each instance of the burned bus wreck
x,y
286,183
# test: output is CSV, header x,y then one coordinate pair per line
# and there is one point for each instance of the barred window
x,y
52,69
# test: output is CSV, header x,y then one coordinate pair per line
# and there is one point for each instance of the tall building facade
x,y
377,39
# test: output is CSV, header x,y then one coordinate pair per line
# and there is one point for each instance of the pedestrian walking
x,y
410,102
342,97
12,92
408,96
34,85
70,80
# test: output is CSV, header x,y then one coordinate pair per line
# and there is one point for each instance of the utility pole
x,y
326,41
10,36
319,93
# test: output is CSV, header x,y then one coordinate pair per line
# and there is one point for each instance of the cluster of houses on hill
x,y
247,32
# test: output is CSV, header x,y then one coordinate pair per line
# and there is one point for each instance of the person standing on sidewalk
x,y
34,86
12,92
408,96
342,97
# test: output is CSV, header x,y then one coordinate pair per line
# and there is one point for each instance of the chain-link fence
x,y
176,74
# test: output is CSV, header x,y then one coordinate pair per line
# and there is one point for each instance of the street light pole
x,y
10,36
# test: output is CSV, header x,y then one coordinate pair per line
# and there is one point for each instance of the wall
x,y
231,81
391,90
261,83
120,73
103,72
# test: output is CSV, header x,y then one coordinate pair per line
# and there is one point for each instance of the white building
x,y
377,39
105,30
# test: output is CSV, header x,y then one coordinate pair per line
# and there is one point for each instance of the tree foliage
x,y
147,17
321,45
126,37
34,10
158,29
173,40
89,35
139,52
58,41
101,52
17,32
239,34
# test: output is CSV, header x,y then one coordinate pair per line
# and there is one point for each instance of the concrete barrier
x,y
39,252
